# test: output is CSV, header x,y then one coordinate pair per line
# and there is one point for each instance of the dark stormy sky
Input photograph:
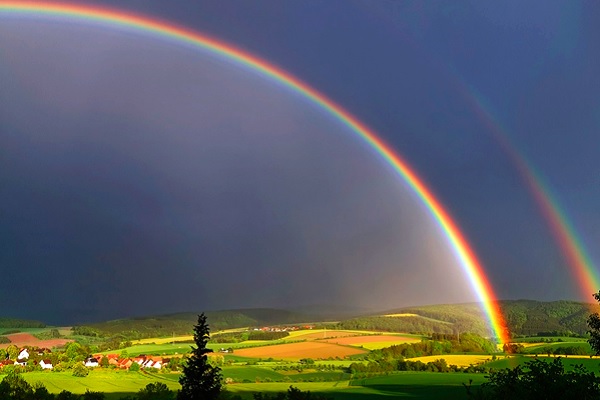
x,y
139,175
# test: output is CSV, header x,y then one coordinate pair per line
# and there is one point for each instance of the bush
x,y
80,370
155,391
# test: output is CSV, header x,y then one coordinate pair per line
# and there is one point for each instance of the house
x,y
43,350
21,362
23,354
125,363
46,364
91,362
140,359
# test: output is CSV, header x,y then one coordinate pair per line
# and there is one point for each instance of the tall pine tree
x,y
200,380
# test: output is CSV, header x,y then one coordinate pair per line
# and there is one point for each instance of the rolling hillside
x,y
524,317
182,323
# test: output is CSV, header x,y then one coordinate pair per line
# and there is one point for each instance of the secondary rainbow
x,y
574,252
117,18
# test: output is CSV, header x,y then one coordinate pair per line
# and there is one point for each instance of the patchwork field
x,y
296,351
374,341
27,339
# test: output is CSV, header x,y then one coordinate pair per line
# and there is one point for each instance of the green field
x,y
410,385
541,347
114,383
591,364
416,385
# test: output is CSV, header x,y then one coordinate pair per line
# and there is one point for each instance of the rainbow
x,y
572,248
120,19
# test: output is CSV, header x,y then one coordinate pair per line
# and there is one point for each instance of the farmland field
x,y
27,339
108,381
413,385
295,351
374,341
245,374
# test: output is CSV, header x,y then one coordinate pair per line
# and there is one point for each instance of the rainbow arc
x,y
161,29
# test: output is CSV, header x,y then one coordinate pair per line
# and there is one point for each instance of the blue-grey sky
x,y
139,175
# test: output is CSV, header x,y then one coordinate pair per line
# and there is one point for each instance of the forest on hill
x,y
20,323
523,317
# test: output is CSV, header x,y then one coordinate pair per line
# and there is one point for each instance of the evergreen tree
x,y
200,380
593,322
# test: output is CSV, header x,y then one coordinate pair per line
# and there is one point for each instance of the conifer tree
x,y
200,380
593,322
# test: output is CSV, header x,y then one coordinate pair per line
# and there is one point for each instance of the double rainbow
x,y
468,260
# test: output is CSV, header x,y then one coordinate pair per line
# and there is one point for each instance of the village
x,y
32,358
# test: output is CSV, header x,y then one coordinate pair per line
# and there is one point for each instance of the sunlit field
x,y
460,360
374,341
109,381
296,351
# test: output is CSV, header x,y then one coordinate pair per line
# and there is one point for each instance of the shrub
x,y
80,370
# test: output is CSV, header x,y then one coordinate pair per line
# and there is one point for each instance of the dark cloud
x,y
139,175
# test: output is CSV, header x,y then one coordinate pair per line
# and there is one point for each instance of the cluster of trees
x,y
385,366
20,323
292,394
237,337
565,351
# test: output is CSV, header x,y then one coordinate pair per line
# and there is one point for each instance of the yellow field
x,y
164,340
296,351
374,341
461,360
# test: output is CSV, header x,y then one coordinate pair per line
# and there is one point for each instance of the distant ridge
x,y
523,317
182,323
